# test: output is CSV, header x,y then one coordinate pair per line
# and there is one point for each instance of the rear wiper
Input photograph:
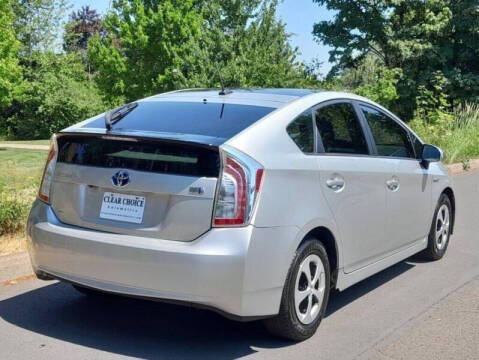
x,y
115,115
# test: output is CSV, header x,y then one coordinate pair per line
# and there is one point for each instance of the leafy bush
x,y
20,175
466,116
56,94
383,90
10,73
457,133
432,103
12,214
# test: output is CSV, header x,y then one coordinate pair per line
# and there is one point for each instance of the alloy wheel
x,y
442,226
309,289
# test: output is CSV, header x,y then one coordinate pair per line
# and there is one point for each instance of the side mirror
x,y
430,153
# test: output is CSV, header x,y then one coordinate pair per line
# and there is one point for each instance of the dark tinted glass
x,y
417,145
301,131
340,130
151,156
208,119
391,138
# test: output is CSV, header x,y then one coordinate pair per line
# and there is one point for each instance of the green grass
x,y
29,142
20,172
457,135
460,144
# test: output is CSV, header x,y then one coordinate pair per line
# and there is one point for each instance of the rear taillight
x,y
45,185
240,183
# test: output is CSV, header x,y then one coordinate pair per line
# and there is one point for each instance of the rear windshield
x,y
144,155
207,119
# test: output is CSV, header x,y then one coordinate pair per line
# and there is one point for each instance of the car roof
x,y
259,97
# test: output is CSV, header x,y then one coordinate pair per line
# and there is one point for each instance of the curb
x,y
458,169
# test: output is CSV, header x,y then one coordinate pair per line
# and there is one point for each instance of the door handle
x,y
393,183
336,183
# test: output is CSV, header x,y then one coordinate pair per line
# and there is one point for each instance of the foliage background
x,y
137,49
419,58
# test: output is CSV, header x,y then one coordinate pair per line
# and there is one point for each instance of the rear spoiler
x,y
188,139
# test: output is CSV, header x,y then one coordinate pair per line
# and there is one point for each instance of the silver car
x,y
254,203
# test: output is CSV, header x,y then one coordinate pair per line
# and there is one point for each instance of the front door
x,y
408,185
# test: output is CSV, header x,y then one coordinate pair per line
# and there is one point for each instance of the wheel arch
x,y
450,194
327,238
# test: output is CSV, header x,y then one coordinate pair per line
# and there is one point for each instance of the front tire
x,y
305,294
440,231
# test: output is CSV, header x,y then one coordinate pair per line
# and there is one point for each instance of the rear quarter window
x,y
301,131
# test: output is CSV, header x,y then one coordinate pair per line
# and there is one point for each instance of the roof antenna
x,y
223,90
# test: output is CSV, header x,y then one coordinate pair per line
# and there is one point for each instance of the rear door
x,y
353,183
408,183
151,188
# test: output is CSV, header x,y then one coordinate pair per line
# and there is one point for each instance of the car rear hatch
x,y
138,186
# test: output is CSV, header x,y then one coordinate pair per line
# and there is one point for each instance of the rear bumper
x,y
238,271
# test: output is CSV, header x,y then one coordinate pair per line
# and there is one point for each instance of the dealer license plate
x,y
122,207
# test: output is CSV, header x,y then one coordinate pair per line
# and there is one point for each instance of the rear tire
x,y
440,231
305,294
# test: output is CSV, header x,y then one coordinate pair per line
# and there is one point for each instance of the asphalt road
x,y
46,320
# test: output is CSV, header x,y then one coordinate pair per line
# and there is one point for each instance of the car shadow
x,y
152,330
339,299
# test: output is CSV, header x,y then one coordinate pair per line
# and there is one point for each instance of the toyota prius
x,y
255,203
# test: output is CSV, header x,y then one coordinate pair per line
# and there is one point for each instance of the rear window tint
x,y
149,156
207,119
301,131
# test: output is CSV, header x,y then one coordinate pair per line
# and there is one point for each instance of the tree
x,y
56,94
83,24
395,30
155,46
253,47
146,45
38,24
370,79
10,72
424,39
463,67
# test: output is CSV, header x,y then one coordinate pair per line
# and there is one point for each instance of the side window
x,y
301,131
391,138
340,130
